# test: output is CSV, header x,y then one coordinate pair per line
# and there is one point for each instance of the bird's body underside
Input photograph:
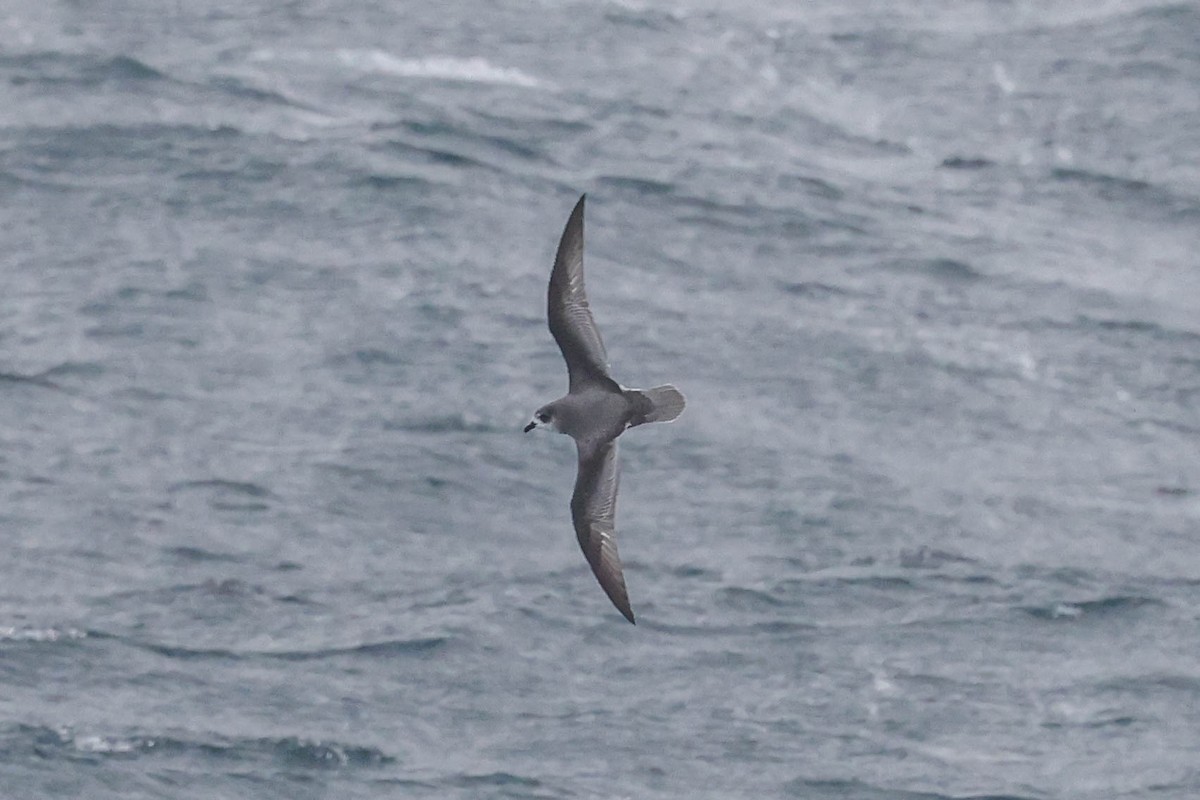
x,y
594,412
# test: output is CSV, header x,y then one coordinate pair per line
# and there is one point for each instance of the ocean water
x,y
272,317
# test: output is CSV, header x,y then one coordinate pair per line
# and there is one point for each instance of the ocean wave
x,y
647,16
228,495
948,269
1154,681
925,557
742,599
290,751
637,186
82,70
388,648
515,145
385,183
1134,328
30,380
237,87
1155,329
860,790
1104,606
1134,191
1108,185
461,422
86,369
446,68
434,155
772,627
237,487
796,592
132,142
199,554
496,779
27,634
967,162
816,289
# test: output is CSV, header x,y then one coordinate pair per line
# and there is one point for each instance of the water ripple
x,y
390,648
288,751
1101,607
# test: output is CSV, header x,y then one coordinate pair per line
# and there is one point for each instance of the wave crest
x,y
467,70
12,634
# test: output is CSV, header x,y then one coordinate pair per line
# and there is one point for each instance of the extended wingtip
x,y
600,548
621,601
622,605
613,584
572,235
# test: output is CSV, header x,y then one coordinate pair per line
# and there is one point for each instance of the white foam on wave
x,y
104,745
469,70
10,634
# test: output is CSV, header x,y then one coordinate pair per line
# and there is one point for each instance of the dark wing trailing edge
x,y
570,317
593,508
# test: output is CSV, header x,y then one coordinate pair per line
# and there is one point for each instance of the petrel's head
x,y
544,417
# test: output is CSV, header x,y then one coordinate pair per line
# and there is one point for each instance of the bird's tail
x,y
665,403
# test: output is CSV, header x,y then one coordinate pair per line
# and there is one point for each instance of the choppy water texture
x,y
272,316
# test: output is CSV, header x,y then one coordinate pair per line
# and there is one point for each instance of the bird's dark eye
x,y
543,416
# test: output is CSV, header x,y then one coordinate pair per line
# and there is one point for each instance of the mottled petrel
x,y
594,412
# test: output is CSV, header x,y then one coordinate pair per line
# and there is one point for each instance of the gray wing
x,y
593,507
570,317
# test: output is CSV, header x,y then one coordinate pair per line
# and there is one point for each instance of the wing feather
x,y
593,510
570,316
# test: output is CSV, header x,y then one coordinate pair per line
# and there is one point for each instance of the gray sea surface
x,y
272,316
